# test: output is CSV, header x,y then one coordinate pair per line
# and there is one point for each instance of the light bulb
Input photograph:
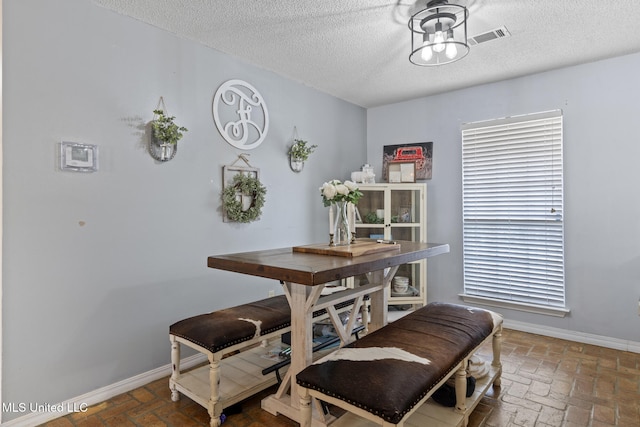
x,y
426,53
452,50
438,39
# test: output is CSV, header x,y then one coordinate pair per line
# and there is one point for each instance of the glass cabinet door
x,y
372,214
406,215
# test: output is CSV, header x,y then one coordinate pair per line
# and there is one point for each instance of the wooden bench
x,y
235,341
387,377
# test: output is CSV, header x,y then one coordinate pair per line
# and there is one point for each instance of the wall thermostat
x,y
78,157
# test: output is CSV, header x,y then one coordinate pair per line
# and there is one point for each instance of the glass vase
x,y
341,226
166,152
296,164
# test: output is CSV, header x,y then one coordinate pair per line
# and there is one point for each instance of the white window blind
x,y
513,232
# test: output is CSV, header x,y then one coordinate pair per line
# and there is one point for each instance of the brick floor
x,y
546,382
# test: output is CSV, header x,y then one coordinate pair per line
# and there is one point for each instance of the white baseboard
x,y
101,394
581,337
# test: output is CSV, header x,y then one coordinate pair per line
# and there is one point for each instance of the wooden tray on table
x,y
359,248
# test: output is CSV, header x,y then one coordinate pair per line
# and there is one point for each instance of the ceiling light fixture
x,y
439,34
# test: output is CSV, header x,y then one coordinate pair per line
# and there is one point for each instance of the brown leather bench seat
x,y
389,371
224,328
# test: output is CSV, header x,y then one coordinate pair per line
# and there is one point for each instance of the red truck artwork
x,y
410,154
421,154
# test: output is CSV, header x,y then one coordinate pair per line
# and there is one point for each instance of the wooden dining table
x,y
303,272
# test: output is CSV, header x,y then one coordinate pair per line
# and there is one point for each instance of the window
x,y
512,202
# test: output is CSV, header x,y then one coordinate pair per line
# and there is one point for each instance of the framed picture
x,y
421,154
402,172
78,157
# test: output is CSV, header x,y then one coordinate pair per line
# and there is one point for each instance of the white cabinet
x,y
397,212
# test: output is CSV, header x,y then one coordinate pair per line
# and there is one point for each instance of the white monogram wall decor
x,y
240,114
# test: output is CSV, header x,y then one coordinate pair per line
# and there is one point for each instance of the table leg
x,y
379,299
301,335
302,300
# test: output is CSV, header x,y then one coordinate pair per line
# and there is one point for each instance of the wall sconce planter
x,y
165,134
299,153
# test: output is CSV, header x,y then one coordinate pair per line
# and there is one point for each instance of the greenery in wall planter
x,y
299,153
165,129
300,150
166,134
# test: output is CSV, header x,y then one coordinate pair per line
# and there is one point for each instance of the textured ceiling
x,y
357,50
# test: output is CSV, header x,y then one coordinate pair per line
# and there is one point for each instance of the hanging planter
x,y
299,153
165,134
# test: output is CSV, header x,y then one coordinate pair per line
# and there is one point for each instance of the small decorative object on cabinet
x,y
365,176
299,153
165,134
397,212
402,172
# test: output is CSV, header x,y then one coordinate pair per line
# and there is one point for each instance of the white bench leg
x,y
305,407
175,368
215,408
364,313
497,349
461,387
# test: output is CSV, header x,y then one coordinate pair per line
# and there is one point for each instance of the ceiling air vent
x,y
489,35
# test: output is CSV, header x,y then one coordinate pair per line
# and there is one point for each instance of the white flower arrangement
x,y
338,191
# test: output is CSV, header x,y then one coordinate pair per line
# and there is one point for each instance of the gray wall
x,y
602,210
87,306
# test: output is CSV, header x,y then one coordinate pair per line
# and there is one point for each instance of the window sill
x,y
529,308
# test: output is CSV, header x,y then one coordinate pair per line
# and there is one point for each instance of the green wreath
x,y
249,186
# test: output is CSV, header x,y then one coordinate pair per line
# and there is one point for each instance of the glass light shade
x,y
438,39
451,51
426,53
